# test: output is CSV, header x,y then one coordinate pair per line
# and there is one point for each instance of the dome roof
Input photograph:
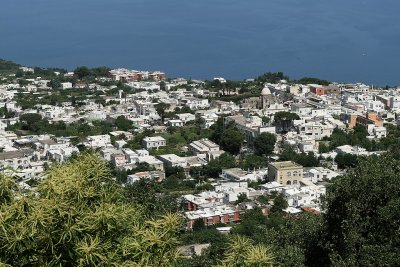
x,y
265,91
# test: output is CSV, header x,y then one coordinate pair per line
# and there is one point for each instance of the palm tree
x,y
242,253
77,216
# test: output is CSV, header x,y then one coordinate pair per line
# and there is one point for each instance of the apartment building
x,y
153,142
285,172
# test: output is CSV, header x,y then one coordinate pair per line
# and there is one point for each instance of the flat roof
x,y
16,154
285,165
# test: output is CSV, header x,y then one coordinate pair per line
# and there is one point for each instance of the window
x,y
288,182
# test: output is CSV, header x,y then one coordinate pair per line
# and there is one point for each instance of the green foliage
x,y
284,120
323,148
211,255
8,66
346,160
175,184
55,83
217,130
362,214
214,167
178,137
232,139
184,109
82,72
241,252
263,199
272,77
280,203
147,194
198,224
308,80
266,120
356,137
264,144
306,160
251,162
242,197
42,126
78,216
4,112
30,118
136,142
85,73
250,222
161,110
123,123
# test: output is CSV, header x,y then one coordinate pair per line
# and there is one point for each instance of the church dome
x,y
265,91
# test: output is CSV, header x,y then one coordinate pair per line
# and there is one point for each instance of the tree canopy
x,y
232,139
284,120
78,216
264,144
272,77
309,80
363,214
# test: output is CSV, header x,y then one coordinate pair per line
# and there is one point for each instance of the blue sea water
x,y
340,40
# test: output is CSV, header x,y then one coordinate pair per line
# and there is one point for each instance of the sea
x,y
336,40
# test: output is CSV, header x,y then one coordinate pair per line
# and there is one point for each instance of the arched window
x,y
295,173
289,174
294,181
288,182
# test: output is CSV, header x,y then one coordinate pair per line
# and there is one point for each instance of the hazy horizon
x,y
351,41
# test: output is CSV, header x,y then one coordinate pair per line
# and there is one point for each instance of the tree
x,y
19,73
280,203
308,80
218,130
251,162
77,216
346,160
264,144
198,224
304,159
100,71
242,253
215,166
55,84
30,118
250,221
123,123
146,194
82,72
284,120
161,110
357,207
266,120
232,140
163,86
272,77
323,148
242,197
307,159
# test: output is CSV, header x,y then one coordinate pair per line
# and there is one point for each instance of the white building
x,y
175,123
186,117
316,130
320,174
172,160
153,142
66,85
205,148
99,140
